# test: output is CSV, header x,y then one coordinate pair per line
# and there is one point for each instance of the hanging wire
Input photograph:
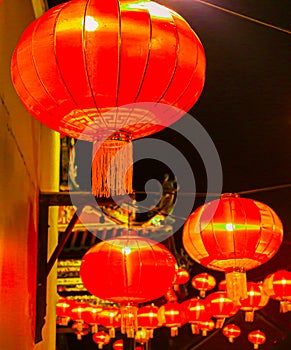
x,y
244,17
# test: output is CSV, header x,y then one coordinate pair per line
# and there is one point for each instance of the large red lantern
x,y
128,270
233,234
278,286
78,66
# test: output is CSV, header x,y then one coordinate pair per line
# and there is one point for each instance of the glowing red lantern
x,y
127,270
203,282
141,336
78,311
63,311
182,276
147,318
110,317
80,328
172,315
118,345
91,316
257,338
256,300
233,234
278,286
101,338
220,306
80,60
206,326
231,331
195,312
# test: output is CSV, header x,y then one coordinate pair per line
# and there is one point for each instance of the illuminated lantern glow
x,y
172,315
80,328
206,326
231,331
118,345
101,339
141,336
203,282
182,276
77,66
77,312
233,234
127,270
256,300
195,311
63,311
220,307
147,318
91,316
257,338
278,287
110,318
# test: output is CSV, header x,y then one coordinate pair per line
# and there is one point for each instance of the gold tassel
x,y
112,173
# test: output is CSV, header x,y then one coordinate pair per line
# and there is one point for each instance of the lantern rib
x,y
86,62
119,60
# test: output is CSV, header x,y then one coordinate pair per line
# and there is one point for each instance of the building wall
x,y
28,162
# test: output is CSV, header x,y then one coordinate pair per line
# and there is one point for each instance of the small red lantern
x,y
278,286
118,345
195,312
257,338
182,276
233,234
110,318
63,311
172,315
220,306
101,338
127,270
231,331
141,336
203,282
78,311
91,316
206,326
80,328
256,300
147,318
77,66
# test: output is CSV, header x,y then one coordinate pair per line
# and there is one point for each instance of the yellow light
x,y
229,227
90,24
126,250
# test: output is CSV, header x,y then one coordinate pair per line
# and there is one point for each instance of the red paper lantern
x,y
278,286
203,282
147,318
172,315
80,60
63,311
182,276
80,328
231,331
257,338
256,300
91,316
233,234
110,318
195,312
141,336
206,326
101,338
128,270
118,345
220,306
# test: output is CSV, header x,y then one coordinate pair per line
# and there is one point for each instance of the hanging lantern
x,y
231,331
278,287
80,328
141,336
78,311
195,312
91,317
206,326
256,300
147,318
220,307
203,282
182,276
79,65
63,311
118,345
109,317
257,338
101,338
127,270
173,316
233,234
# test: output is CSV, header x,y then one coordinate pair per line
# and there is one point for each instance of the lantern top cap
x,y
229,195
